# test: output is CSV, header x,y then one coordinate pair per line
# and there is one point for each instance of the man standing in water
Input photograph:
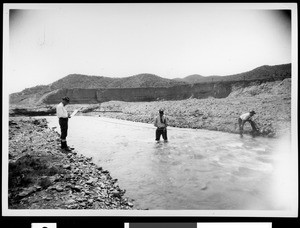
x,y
246,117
63,116
161,126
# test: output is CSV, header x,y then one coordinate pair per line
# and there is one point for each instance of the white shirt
x,y
158,123
61,111
245,116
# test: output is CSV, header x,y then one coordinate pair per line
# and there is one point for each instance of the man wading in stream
x,y
161,126
63,116
246,117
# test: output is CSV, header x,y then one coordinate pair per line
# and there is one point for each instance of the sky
x,y
46,42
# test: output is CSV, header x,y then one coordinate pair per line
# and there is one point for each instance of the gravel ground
x,y
271,101
42,176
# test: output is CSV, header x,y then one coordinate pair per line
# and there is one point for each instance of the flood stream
x,y
195,170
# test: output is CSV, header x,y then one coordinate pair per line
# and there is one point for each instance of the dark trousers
x,y
241,125
159,132
63,123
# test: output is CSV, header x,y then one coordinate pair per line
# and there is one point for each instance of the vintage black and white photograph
x,y
150,109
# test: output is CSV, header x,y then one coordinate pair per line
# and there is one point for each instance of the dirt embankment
x,y
42,176
271,101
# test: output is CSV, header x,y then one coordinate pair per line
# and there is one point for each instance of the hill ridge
x,y
145,80
278,72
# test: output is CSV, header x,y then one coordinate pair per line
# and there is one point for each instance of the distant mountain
x,y
93,82
264,72
194,78
81,81
31,95
197,78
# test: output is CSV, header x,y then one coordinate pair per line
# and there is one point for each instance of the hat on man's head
x,y
66,99
161,110
253,112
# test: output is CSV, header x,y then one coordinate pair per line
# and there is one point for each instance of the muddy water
x,y
196,169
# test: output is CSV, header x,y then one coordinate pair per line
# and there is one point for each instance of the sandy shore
x,y
42,176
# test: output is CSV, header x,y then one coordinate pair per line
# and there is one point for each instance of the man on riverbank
x,y
63,117
247,117
161,126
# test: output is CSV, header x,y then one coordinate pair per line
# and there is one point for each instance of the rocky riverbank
x,y
42,176
23,110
